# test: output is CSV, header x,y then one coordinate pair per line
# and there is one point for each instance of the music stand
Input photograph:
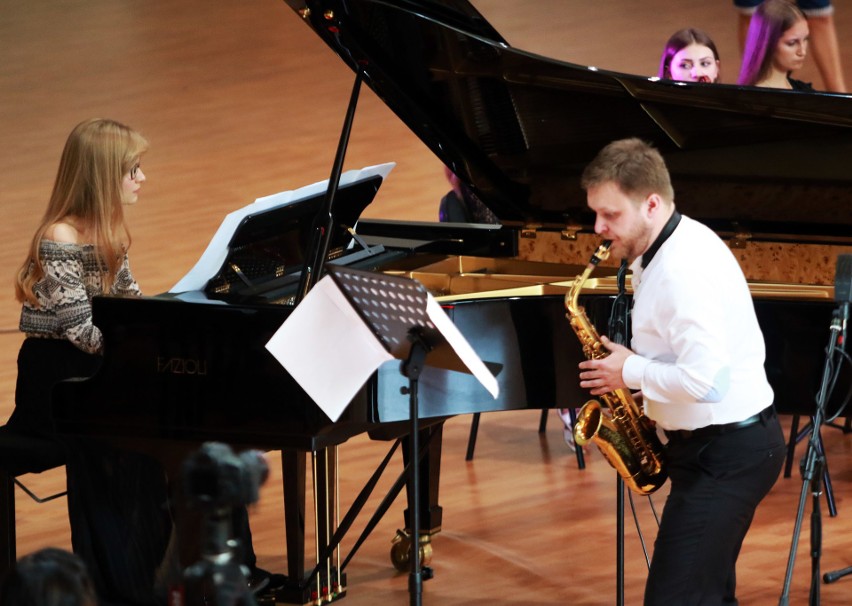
x,y
404,322
397,312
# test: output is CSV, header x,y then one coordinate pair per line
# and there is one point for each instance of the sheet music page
x,y
327,348
217,251
460,346
330,349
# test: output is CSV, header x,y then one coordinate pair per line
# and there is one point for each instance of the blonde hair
x,y
97,156
636,167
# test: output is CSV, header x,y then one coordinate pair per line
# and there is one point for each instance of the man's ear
x,y
655,202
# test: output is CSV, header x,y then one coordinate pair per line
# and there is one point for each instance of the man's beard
x,y
633,244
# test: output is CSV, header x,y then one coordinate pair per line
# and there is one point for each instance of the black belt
x,y
716,430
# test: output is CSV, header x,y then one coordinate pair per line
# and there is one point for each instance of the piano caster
x,y
400,553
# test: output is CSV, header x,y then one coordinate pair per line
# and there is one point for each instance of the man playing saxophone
x,y
697,360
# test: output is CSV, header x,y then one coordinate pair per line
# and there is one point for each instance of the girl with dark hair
x,y
690,56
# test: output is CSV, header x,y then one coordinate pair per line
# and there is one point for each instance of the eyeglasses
x,y
134,170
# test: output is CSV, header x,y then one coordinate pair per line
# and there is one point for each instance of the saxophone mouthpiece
x,y
601,254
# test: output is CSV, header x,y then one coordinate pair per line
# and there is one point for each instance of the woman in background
x,y
776,46
690,56
117,501
461,205
823,41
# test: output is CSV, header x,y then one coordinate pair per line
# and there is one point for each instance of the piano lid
x,y
520,128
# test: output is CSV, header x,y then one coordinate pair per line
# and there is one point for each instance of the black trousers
x,y
717,483
117,501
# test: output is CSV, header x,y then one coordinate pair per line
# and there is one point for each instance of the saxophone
x,y
626,436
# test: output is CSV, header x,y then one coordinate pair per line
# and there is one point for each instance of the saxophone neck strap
x,y
621,277
618,328
668,228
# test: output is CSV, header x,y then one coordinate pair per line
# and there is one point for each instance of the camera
x,y
216,481
215,477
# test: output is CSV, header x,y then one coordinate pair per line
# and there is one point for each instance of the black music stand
x,y
397,312
386,317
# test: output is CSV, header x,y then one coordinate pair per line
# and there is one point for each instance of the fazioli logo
x,y
181,366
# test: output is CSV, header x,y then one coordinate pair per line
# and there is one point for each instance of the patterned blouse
x,y
72,277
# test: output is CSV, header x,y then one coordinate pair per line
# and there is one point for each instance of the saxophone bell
x,y
588,422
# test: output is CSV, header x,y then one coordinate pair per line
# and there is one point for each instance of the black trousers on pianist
x,y
119,502
717,482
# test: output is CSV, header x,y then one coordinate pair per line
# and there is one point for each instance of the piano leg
x,y
293,472
430,512
329,579
326,515
293,467
430,475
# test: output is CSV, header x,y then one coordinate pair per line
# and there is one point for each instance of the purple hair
x,y
768,23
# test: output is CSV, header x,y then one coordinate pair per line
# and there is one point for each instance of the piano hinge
x,y
740,239
569,232
530,230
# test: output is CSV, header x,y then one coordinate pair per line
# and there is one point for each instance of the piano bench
x,y
19,455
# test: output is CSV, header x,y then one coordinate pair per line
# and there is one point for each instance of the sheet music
x,y
216,253
331,352
326,347
461,347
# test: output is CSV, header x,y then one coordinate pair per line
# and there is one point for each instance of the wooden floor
x,y
240,100
523,525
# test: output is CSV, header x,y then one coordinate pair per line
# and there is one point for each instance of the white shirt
x,y
699,349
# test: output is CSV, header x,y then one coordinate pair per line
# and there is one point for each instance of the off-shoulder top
x,y
71,278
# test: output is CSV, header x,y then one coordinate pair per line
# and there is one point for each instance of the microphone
x,y
843,292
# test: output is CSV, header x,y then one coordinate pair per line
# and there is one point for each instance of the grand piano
x,y
768,170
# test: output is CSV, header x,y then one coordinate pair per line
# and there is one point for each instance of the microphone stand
x,y
812,468
619,326
831,577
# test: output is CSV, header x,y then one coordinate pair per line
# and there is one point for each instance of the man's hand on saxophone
x,y
604,375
